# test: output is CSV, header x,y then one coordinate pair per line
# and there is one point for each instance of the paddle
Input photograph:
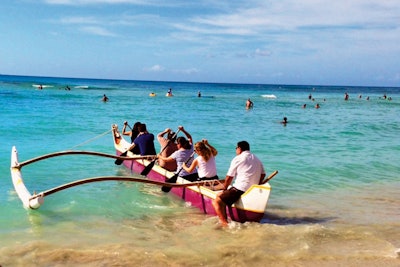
x,y
269,177
173,179
119,161
148,168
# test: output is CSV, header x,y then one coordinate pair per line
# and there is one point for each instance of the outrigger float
x,y
250,207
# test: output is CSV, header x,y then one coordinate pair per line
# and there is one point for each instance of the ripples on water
x,y
334,202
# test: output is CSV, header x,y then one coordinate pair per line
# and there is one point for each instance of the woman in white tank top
x,y
205,162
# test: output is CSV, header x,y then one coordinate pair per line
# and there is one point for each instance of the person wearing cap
x,y
167,139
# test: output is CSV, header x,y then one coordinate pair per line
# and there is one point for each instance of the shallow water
x,y
334,202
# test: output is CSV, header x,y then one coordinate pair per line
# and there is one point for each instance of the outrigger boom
x,y
34,201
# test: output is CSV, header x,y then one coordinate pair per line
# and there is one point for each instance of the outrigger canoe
x,y
250,207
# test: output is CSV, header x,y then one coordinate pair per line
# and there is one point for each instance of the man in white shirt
x,y
248,170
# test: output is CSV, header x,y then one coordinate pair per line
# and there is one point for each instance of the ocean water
x,y
335,201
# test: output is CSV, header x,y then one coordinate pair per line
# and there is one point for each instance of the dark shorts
x,y
191,177
208,178
230,196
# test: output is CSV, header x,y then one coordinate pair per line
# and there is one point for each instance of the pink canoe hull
x,y
196,199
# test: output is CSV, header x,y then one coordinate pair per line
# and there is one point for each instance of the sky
x,y
304,42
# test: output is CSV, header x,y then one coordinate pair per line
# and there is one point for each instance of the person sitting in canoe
x,y
145,141
205,162
133,133
184,152
248,170
169,146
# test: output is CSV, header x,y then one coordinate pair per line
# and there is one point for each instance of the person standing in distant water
x,y
317,106
346,96
248,170
145,141
198,94
105,98
309,96
170,147
169,93
249,104
205,162
133,133
284,121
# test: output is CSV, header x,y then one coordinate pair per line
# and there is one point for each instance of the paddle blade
x,y
119,161
173,179
148,168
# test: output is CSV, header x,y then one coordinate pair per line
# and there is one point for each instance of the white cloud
x,y
187,71
95,30
155,68
110,2
262,53
293,33
90,2
79,20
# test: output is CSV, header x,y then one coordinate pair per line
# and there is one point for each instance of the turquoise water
x,y
334,201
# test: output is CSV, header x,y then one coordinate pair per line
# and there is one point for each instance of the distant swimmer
x,y
105,98
317,106
67,88
152,94
284,121
249,104
198,94
305,105
40,87
169,93
346,96
309,96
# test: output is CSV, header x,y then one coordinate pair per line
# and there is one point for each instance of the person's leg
x,y
220,209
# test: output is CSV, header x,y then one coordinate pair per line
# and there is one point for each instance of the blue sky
x,y
312,42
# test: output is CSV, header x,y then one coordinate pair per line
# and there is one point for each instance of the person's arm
x,y
213,150
124,132
192,166
131,147
165,159
188,136
161,135
228,181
